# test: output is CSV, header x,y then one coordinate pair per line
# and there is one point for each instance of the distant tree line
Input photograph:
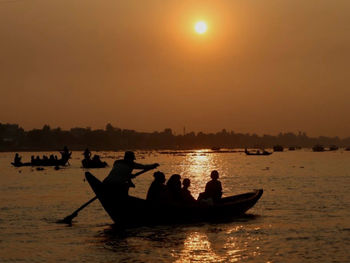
x,y
15,138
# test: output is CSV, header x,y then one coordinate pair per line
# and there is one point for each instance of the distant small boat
x,y
215,148
347,149
257,152
48,162
318,148
292,148
333,148
278,148
93,163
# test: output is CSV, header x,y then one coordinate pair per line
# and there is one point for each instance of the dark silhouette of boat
x,y
257,152
134,212
333,148
291,148
91,163
46,162
278,148
318,148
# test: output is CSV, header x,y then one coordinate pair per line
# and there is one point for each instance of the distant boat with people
x,y
333,148
52,160
257,152
318,148
135,212
278,148
94,162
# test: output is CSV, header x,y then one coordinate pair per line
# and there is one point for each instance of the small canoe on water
x,y
134,212
93,164
264,153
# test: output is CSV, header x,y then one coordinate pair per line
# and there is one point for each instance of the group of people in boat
x,y
45,160
94,162
172,191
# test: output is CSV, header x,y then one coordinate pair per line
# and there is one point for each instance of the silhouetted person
x,y
17,159
87,154
37,160
45,159
32,160
173,189
52,159
65,153
213,189
119,178
96,159
185,193
157,189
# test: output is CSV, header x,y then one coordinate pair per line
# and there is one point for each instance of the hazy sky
x,y
263,66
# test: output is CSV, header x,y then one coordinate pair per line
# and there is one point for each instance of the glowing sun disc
x,y
200,27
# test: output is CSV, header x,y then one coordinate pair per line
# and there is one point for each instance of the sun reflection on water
x,y
197,248
197,167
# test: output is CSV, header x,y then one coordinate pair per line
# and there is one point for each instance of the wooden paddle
x,y
68,219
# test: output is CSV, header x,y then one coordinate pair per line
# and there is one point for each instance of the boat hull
x,y
134,212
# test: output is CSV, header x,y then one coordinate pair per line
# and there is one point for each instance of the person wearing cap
x,y
119,178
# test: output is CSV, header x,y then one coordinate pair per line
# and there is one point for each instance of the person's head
x,y
159,177
186,183
174,181
129,156
214,175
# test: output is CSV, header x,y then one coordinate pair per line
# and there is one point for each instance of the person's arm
x,y
145,166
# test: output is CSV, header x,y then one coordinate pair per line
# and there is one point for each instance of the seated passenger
x,y
213,189
96,158
157,189
185,193
173,189
52,158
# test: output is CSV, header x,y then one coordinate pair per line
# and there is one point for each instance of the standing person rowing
x,y
119,178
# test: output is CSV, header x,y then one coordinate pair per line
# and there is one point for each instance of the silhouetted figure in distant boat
x,y
32,159
186,195
65,153
96,159
52,158
45,160
119,178
157,189
213,189
17,159
173,189
87,154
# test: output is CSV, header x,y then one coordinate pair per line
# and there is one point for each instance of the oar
x,y
68,219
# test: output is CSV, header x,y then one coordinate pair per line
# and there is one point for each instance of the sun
x,y
200,27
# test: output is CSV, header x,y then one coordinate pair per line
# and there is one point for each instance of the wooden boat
x,y
257,153
278,148
318,148
59,162
134,212
93,164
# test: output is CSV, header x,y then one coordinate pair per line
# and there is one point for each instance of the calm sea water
x,y
303,215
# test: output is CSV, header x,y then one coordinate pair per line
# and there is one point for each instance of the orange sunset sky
x,y
261,66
